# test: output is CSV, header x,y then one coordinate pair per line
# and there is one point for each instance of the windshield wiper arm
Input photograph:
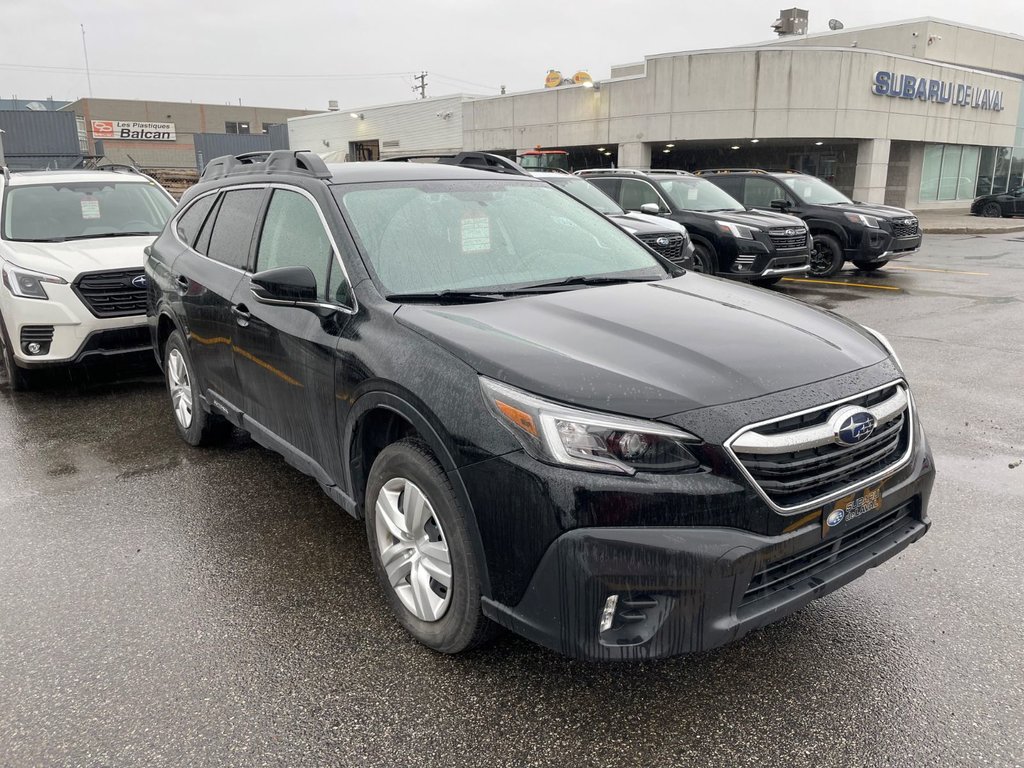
x,y
112,234
447,295
582,280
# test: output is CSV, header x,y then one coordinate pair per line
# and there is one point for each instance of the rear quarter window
x,y
233,229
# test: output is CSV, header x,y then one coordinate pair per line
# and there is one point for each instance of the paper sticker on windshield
x,y
90,208
476,234
691,193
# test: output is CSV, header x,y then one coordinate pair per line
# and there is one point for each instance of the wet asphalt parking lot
x,y
164,605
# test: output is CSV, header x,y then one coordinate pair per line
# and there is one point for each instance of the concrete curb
x,y
968,229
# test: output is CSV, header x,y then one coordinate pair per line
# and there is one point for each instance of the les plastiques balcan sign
x,y
900,86
132,130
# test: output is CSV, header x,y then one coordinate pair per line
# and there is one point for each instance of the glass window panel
x,y
985,167
1017,168
1002,172
968,173
950,172
930,172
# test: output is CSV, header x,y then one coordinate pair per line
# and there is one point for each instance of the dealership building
x,y
922,113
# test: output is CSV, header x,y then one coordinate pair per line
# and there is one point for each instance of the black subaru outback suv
x,y
867,234
729,241
544,424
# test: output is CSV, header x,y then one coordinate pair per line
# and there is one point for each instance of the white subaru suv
x,y
71,253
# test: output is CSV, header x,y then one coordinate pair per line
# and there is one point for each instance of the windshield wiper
x,y
582,280
111,234
446,296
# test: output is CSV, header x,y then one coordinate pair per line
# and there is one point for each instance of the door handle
x,y
242,315
182,282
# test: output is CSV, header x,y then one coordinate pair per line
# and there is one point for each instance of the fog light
x,y
608,614
34,348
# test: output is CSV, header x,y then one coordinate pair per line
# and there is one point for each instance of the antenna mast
x,y
85,49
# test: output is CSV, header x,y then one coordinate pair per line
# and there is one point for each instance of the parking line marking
x,y
947,271
836,282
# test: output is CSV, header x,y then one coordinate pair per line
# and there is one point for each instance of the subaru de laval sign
x,y
132,130
940,91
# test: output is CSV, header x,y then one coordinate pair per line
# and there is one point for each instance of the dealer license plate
x,y
846,512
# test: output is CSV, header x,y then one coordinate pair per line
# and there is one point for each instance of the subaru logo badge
x,y
852,425
662,241
790,232
835,517
139,281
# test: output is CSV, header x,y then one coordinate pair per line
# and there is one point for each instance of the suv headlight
x,y
558,434
860,218
885,345
27,283
740,231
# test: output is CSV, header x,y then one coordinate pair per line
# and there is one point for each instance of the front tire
x,y
18,379
194,424
826,256
992,211
704,260
870,266
421,549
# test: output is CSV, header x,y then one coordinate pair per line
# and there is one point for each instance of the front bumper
x,y
68,331
692,587
880,245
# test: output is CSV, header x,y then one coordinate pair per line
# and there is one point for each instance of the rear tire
x,y
194,424
870,266
704,260
422,551
992,211
826,256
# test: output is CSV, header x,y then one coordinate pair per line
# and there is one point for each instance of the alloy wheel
x,y
181,388
992,211
413,549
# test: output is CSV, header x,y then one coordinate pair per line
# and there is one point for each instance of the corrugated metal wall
x,y
279,136
211,145
40,140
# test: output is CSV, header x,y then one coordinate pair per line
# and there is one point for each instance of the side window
x,y
636,193
192,220
203,241
232,231
730,184
759,192
294,236
609,186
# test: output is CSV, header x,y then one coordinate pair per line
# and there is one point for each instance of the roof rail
x,y
715,171
119,168
267,161
631,171
481,161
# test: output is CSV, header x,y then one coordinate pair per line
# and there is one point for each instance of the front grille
x,y
904,227
671,245
788,239
112,294
41,334
787,262
788,571
796,462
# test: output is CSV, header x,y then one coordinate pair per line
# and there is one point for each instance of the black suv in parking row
x,y
544,424
760,246
867,234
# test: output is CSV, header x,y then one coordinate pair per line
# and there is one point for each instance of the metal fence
x,y
39,140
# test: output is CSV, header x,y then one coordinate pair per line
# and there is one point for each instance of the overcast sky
x,y
300,53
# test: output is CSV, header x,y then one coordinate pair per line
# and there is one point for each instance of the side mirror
x,y
652,208
779,205
285,285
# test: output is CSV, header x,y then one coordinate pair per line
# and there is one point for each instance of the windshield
x,y
690,193
587,193
82,210
426,237
814,191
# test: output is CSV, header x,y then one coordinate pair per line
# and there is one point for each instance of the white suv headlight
x,y
558,434
27,283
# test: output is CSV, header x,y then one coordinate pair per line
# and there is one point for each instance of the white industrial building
x,y
922,113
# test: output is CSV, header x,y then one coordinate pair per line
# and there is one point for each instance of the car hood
x,y
70,259
878,211
632,218
755,218
647,226
649,349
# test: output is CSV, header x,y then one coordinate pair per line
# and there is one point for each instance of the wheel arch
x,y
399,415
820,227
